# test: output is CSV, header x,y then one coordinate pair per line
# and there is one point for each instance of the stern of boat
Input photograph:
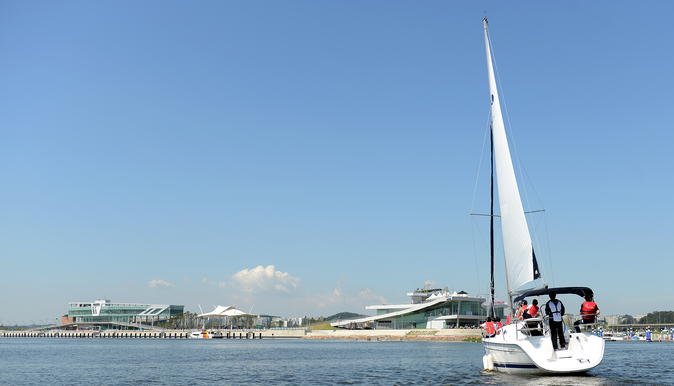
x,y
516,350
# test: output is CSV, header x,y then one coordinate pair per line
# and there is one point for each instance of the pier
x,y
135,334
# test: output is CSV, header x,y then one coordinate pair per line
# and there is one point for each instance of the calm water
x,y
46,361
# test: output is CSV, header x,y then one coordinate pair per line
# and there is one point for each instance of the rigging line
x,y
484,242
523,169
498,233
512,140
552,271
545,217
531,183
538,245
505,108
477,266
510,129
479,167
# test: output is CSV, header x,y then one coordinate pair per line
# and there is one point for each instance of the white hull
x,y
202,334
515,351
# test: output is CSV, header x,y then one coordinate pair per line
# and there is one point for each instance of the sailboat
x,y
525,346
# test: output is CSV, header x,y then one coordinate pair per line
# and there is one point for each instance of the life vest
x,y
489,328
522,310
556,310
588,310
499,325
532,311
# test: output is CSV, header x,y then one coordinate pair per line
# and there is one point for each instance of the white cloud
x,y
158,283
208,282
431,283
339,298
261,279
368,295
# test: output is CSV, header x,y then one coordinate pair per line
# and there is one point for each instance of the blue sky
x,y
307,158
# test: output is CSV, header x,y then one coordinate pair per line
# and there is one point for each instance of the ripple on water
x,y
185,362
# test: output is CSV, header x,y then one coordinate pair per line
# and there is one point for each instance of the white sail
x,y
520,260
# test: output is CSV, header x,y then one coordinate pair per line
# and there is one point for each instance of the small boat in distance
x,y
524,346
205,334
611,336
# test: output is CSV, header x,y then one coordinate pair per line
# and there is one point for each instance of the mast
x,y
521,266
491,221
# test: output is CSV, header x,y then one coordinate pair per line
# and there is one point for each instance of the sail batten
x,y
521,265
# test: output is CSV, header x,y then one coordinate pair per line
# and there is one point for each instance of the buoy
x,y
488,362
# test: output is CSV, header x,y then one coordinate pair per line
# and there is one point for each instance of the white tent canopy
x,y
221,311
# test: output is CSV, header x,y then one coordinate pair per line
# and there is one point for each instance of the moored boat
x,y
201,334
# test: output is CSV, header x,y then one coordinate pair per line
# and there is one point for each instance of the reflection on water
x,y
28,361
625,363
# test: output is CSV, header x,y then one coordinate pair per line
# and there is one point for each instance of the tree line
x,y
655,317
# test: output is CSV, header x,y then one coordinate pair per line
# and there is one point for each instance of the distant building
x,y
276,320
294,322
263,321
107,315
432,308
613,319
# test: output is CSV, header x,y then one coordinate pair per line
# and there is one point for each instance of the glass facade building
x,y
429,309
108,315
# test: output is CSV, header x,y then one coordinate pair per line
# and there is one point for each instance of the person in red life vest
x,y
532,311
489,327
589,312
521,310
555,310
499,325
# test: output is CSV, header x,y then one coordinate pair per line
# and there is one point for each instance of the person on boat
x,y
532,311
589,312
490,328
499,325
555,310
522,309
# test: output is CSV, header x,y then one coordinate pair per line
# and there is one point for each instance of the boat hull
x,y
201,334
516,352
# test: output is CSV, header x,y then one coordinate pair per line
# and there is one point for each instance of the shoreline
x,y
440,335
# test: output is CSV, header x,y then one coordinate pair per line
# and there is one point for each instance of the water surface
x,y
53,361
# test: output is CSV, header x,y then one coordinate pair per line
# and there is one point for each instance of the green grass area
x,y
324,326
476,340
422,332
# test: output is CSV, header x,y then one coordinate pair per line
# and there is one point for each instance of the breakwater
x,y
268,334
448,335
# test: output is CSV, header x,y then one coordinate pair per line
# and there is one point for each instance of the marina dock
x,y
263,334
357,335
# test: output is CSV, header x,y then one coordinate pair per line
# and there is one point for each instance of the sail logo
x,y
492,99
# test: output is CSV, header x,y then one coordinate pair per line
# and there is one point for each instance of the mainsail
x,y
521,265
